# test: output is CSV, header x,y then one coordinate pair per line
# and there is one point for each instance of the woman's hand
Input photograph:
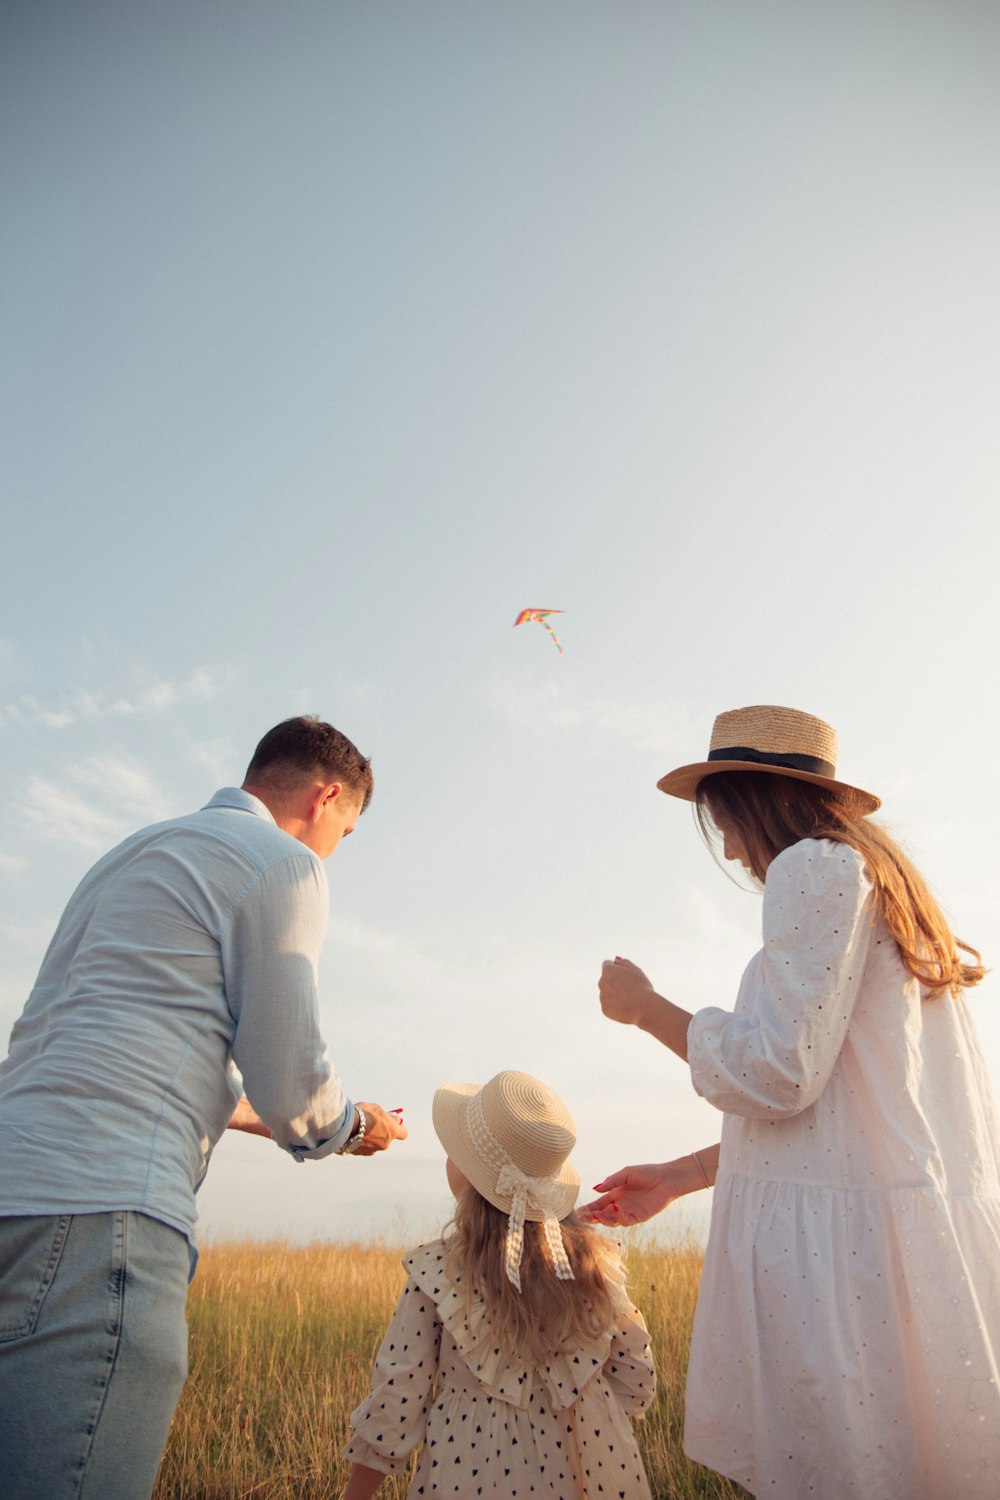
x,y
624,990
635,1194
628,996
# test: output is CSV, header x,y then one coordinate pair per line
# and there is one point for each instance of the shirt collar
x,y
235,796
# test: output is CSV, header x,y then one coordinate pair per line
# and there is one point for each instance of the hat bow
x,y
543,1195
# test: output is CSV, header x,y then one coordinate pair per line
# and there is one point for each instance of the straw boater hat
x,y
779,741
511,1138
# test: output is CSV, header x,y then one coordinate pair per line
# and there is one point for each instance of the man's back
x,y
118,1081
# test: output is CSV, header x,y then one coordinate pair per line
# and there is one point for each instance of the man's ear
x,y
323,797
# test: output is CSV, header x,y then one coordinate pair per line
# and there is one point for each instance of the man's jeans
x,y
93,1353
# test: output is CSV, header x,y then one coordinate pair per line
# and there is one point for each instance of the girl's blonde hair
x,y
772,812
547,1316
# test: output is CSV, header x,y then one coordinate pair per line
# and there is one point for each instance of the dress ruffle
x,y
486,1426
501,1372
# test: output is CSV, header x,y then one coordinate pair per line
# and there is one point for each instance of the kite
x,y
539,615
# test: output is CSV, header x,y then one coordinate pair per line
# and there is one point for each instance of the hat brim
x,y
449,1113
685,780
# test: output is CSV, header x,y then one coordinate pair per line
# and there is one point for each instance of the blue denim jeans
x,y
93,1353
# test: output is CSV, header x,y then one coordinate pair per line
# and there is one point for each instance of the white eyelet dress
x,y
847,1335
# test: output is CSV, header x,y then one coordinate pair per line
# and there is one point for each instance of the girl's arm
x,y
635,1194
628,1368
363,1482
390,1424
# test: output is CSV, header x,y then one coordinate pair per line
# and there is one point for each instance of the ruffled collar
x,y
504,1373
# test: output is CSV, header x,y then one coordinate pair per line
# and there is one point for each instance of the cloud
x,y
152,699
114,792
129,786
55,811
28,710
400,968
519,698
30,937
10,671
219,758
395,960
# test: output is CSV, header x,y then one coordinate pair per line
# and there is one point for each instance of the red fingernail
x,y
398,1111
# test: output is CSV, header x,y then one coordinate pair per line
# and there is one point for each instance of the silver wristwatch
x,y
351,1145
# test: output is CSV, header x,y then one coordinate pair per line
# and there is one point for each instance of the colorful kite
x,y
539,615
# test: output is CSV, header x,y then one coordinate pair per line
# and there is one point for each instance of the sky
x,y
335,334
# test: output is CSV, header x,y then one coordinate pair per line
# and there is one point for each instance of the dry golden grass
x,y
282,1343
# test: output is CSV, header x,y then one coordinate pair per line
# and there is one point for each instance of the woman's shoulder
x,y
811,877
817,861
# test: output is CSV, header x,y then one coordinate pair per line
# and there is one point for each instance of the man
x,y
191,947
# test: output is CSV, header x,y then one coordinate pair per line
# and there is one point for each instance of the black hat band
x,y
810,763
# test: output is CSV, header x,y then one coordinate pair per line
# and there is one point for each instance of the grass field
x,y
282,1343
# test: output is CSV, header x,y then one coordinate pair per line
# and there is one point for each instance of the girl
x,y
514,1353
847,1336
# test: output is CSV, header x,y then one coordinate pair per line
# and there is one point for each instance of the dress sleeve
x,y
628,1368
774,1057
391,1422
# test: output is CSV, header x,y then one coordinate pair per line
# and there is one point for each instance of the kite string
x,y
397,1036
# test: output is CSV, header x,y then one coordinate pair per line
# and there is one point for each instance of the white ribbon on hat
x,y
538,1193
542,1194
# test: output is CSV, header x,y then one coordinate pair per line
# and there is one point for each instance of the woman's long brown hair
x,y
772,812
547,1316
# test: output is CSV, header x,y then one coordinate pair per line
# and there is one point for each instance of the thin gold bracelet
x,y
701,1169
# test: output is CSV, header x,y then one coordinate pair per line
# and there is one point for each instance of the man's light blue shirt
x,y
192,946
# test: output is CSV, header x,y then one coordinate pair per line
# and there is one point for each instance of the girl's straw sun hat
x,y
512,1138
779,741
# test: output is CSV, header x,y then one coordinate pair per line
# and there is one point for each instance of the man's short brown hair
x,y
305,748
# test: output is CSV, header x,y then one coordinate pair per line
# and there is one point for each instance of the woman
x,y
847,1336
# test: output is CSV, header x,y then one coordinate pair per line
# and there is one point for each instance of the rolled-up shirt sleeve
x,y
773,1057
270,955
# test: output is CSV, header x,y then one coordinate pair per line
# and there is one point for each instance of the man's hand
x,y
382,1128
245,1117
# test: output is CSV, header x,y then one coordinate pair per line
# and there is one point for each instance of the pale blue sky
x,y
335,334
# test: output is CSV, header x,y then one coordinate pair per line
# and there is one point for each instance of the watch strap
x,y
351,1145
